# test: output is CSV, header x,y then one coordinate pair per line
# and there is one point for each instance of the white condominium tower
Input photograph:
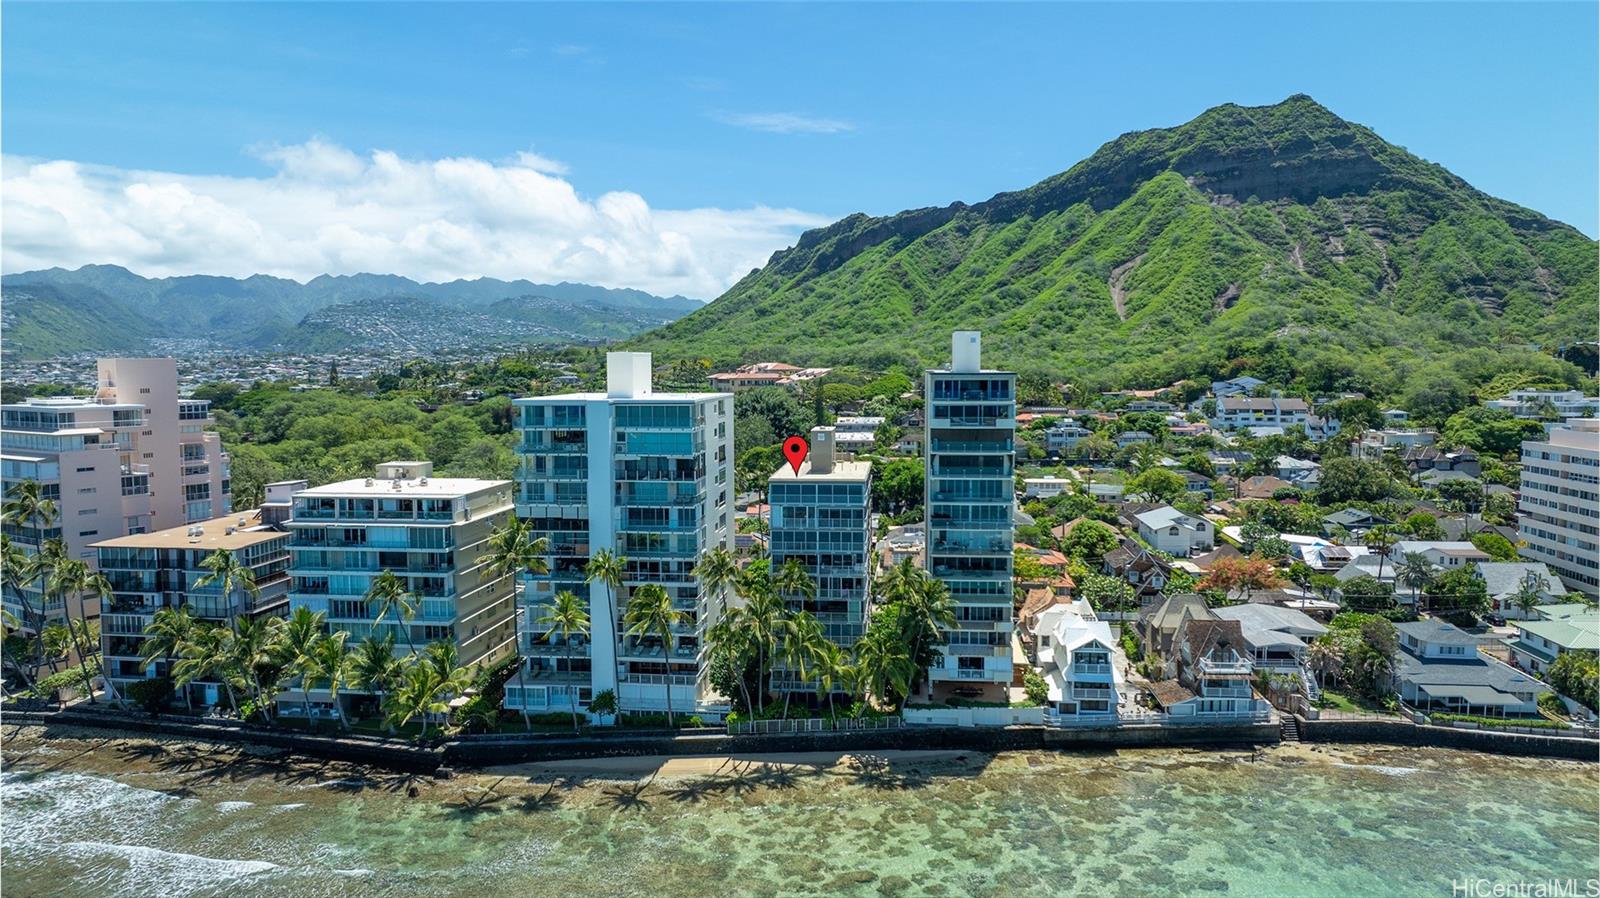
x,y
133,458
431,532
971,423
1559,503
648,476
820,518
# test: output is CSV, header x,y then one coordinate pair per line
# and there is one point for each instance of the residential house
x,y
1214,674
1073,649
1145,571
1159,623
1262,486
1276,636
1439,668
1047,487
1375,443
1238,412
1353,521
1442,554
1296,470
1178,534
1133,437
1504,580
1238,386
1064,437
1555,630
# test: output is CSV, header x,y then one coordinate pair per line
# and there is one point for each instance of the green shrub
x,y
1535,722
152,695
1551,704
1038,690
1131,646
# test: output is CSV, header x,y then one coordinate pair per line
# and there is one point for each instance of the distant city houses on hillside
x,y
1562,404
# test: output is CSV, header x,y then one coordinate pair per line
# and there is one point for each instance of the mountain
x,y
1255,236
108,308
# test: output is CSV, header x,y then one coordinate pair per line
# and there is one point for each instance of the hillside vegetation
x,y
1280,239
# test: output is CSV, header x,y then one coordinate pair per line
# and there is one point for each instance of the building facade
x,y
971,428
131,459
156,570
647,476
1559,503
820,518
432,532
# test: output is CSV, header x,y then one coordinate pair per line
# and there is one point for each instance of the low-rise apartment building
x,y
160,569
1236,412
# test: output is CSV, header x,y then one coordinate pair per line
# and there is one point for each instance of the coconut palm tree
x,y
514,551
1533,587
164,636
374,668
929,611
884,666
793,583
419,693
831,671
650,613
568,617
717,570
608,568
801,637
333,665
389,594
70,578
229,571
1379,540
205,656
16,568
1415,571
298,648
254,648
729,638
1325,658
26,505
764,614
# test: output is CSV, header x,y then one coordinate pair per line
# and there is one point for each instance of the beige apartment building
x,y
133,458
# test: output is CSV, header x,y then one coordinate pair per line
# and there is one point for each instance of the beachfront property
x,y
132,458
821,519
1276,638
1159,624
432,533
159,569
1439,668
647,476
1073,649
1559,503
970,425
1213,675
1169,530
1553,631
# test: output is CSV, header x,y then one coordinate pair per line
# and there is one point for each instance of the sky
x,y
673,148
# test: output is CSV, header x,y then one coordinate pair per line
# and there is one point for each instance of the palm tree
x,y
802,637
1533,587
232,573
1379,540
165,635
729,638
333,665
929,611
25,504
390,594
373,666
608,568
884,665
16,569
514,551
568,617
298,648
1415,571
793,583
70,578
255,647
831,671
717,570
650,613
1325,657
417,694
205,656
764,614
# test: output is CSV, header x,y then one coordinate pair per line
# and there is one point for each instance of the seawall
x,y
1406,733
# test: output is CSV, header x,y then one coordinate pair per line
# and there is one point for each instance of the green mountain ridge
x,y
108,308
1276,236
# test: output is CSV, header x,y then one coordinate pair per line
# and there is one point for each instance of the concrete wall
x,y
1401,733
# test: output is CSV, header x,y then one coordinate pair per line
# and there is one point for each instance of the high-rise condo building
x,y
820,518
151,571
431,532
133,458
970,430
648,476
1559,503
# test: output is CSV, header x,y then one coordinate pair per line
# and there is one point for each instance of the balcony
x,y
983,446
1090,669
1224,666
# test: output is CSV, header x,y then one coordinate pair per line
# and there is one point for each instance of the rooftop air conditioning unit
x,y
228,531
369,481
423,481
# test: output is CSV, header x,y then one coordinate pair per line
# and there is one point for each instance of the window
x,y
86,491
86,470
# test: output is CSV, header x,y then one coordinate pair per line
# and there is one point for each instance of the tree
x,y
420,693
928,611
374,668
389,594
1496,546
230,571
897,485
1273,548
1157,485
1346,480
253,648
716,570
333,666
1233,574
1105,593
1461,592
883,662
1090,541
1576,676
607,568
1253,531
568,617
803,639
1416,572
1367,593
1423,526
1530,592
1325,657
297,650
794,584
168,630
650,613
206,657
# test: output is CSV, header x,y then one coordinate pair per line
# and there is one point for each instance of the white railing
x,y
811,725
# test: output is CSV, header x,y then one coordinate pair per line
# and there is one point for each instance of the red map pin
x,y
795,449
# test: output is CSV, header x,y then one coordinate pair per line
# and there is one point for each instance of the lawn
x,y
1339,701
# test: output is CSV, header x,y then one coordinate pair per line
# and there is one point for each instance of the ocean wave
x,y
228,807
1384,769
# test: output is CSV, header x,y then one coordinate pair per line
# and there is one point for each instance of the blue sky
x,y
817,110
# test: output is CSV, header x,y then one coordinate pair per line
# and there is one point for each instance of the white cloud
x,y
784,122
325,209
